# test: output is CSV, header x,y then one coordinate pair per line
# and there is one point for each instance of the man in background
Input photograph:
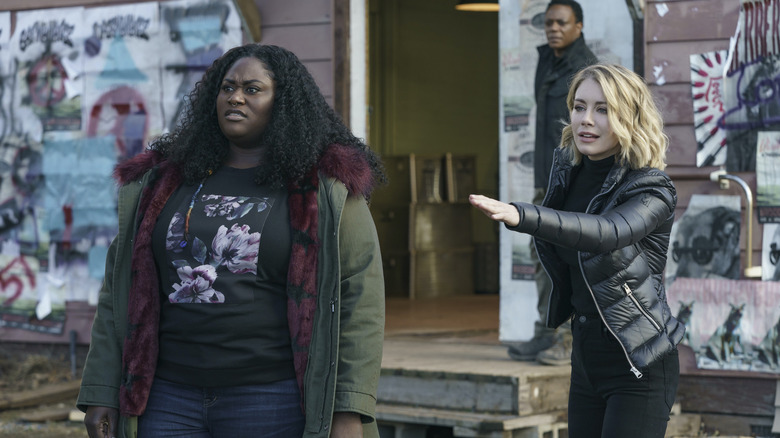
x,y
564,54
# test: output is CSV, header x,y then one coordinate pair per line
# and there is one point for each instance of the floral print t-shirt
x,y
223,276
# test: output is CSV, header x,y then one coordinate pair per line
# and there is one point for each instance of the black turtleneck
x,y
586,183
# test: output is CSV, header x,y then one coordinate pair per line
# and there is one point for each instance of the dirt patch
x,y
26,367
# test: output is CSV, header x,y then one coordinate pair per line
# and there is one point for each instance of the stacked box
x,y
423,221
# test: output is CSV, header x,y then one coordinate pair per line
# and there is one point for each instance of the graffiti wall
x,y
732,322
751,100
79,93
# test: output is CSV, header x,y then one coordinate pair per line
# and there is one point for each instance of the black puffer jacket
x,y
622,243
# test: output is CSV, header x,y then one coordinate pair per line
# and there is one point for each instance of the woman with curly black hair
x,y
243,294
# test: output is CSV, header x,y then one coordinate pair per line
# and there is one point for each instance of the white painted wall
x,y
358,112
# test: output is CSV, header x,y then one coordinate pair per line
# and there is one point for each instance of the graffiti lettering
x,y
50,32
760,33
714,93
768,146
122,26
757,94
11,285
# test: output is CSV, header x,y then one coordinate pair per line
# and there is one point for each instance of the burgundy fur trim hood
x,y
343,163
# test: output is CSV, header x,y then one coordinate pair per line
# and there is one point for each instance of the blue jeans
x,y
269,410
605,398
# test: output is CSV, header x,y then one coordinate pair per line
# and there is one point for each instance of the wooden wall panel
x,y
682,145
675,103
309,42
669,62
674,30
293,12
306,28
690,20
322,71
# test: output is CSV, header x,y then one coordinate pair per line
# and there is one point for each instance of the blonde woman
x,y
602,234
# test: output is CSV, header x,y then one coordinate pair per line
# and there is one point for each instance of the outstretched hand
x,y
496,210
101,422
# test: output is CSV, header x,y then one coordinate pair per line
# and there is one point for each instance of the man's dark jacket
x,y
553,76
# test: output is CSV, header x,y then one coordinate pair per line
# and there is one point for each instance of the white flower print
x,y
232,207
236,249
175,235
196,286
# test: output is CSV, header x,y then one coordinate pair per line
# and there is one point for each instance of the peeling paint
x,y
658,71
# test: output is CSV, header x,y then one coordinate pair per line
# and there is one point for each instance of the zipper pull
x,y
332,306
627,289
636,372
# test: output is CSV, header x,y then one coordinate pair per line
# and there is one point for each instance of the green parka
x,y
345,352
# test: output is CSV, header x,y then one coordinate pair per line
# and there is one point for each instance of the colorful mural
x,y
78,94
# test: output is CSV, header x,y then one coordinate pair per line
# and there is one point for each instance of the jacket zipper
x,y
331,360
633,368
630,294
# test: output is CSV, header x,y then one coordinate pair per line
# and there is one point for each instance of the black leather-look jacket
x,y
622,243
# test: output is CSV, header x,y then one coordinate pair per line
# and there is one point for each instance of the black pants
x,y
606,400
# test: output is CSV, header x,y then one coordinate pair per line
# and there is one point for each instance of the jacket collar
x,y
561,179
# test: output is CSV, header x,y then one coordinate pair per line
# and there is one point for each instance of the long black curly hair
x,y
301,126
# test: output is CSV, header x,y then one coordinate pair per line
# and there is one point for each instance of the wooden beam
x,y
341,59
44,395
250,17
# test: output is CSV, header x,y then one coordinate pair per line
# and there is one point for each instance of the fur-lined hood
x,y
343,163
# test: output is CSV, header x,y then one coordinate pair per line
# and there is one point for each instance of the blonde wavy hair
x,y
632,114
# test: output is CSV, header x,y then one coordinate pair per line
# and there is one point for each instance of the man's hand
x,y
496,210
346,425
101,422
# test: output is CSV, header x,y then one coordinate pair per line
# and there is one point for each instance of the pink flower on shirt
x,y
196,286
236,249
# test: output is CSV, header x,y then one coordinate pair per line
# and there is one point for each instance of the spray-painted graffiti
x,y
12,281
46,33
707,90
752,82
78,94
197,31
121,113
124,26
